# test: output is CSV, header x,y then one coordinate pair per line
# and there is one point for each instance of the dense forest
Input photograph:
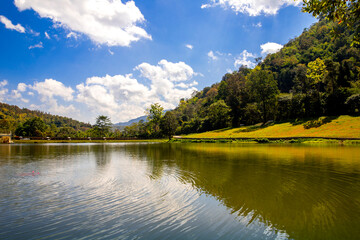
x,y
315,74
12,118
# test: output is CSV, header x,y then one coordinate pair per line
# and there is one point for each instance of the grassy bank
x,y
342,127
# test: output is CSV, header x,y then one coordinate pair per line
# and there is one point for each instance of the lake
x,y
179,191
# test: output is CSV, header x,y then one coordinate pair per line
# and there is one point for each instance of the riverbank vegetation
x,y
346,127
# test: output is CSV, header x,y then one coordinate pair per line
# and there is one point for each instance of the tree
x,y
34,127
345,13
154,115
316,72
263,89
169,124
232,91
65,132
219,114
103,125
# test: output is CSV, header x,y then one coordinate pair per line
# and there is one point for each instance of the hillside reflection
x,y
309,192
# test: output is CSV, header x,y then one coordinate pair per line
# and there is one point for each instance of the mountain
x,y
11,116
128,123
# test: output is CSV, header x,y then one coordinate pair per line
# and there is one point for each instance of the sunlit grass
x,y
339,127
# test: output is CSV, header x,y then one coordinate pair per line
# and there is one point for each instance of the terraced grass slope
x,y
332,127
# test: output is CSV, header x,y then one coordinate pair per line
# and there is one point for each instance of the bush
x,y
262,140
313,124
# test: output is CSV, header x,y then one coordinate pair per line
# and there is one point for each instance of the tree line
x,y
315,74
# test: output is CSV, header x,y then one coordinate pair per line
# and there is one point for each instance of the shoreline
x,y
287,140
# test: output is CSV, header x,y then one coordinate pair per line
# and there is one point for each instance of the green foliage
x,y
262,140
34,127
12,117
264,90
353,103
102,126
169,124
345,13
218,114
316,71
154,115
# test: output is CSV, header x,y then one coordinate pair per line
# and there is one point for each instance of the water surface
x,y
179,191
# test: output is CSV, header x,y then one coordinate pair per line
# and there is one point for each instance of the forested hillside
x,y
313,75
12,116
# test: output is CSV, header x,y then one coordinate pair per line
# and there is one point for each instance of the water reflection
x,y
309,192
184,191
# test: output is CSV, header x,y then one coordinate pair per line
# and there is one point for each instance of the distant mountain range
x,y
135,120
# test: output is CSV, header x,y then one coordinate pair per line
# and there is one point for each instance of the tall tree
x,y
154,115
103,125
169,124
263,89
219,114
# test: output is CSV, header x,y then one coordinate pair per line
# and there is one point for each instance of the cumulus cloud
x,y
50,92
245,59
189,46
51,88
3,91
212,55
270,47
252,7
39,45
9,25
105,22
123,97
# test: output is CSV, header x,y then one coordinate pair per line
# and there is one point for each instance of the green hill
x,y
12,116
316,74
335,127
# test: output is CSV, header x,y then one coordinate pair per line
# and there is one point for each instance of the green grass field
x,y
333,127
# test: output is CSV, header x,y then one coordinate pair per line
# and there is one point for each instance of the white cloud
x,y
245,59
189,46
49,91
253,7
21,87
72,35
36,34
3,83
9,25
3,91
258,25
51,88
47,35
212,55
105,22
270,47
39,45
123,97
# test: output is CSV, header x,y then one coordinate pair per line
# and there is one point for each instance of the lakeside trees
x,y
312,75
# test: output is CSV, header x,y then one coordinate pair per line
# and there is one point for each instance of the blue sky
x,y
83,58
